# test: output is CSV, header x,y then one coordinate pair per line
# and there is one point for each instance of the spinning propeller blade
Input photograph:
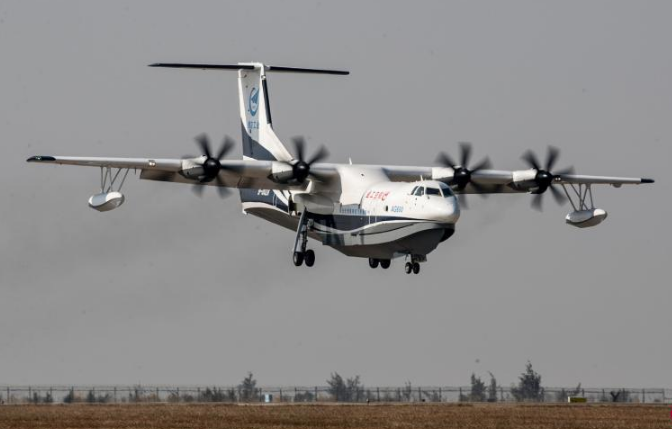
x,y
462,173
544,178
212,165
300,166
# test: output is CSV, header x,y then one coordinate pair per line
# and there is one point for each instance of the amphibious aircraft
x,y
379,212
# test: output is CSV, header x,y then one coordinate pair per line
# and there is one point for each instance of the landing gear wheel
x,y
408,267
416,267
297,259
309,258
384,264
373,262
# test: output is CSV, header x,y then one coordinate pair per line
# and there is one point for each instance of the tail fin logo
x,y
254,101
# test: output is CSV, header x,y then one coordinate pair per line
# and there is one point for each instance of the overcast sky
x,y
175,289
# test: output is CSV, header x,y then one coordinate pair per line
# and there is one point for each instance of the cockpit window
x,y
413,191
433,191
420,191
447,192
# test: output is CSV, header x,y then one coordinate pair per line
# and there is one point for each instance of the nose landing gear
x,y
309,258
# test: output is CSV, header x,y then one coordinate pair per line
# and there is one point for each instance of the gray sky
x,y
173,289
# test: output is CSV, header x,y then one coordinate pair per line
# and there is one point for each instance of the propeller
x,y
544,177
212,164
462,173
301,167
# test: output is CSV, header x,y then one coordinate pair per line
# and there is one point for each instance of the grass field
x,y
470,416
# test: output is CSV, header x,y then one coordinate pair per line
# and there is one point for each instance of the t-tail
x,y
258,138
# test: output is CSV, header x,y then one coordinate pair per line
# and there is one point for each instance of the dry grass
x,y
335,416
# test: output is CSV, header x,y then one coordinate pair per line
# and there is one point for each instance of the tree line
x,y
342,389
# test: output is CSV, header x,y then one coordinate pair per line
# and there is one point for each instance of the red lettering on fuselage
x,y
377,195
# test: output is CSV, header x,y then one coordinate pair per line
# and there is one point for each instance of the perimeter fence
x,y
298,394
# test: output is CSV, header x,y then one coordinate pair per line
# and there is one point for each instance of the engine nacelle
x,y
281,172
442,174
106,201
523,180
586,218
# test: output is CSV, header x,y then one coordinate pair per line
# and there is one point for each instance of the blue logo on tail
x,y
254,101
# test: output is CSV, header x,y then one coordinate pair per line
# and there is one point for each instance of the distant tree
x,y
91,397
407,392
187,397
492,389
345,390
337,388
478,390
620,395
231,395
306,396
355,389
48,398
70,397
529,386
248,388
213,395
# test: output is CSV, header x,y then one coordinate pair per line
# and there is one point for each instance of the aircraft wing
x,y
256,174
234,173
576,179
502,181
172,165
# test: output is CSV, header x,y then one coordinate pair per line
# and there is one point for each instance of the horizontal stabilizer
x,y
302,70
249,66
205,66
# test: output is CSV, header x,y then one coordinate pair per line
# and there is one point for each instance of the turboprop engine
x,y
298,170
106,201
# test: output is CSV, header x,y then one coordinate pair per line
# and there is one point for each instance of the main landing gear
x,y
300,254
413,266
384,263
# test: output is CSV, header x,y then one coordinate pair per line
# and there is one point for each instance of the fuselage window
x,y
433,191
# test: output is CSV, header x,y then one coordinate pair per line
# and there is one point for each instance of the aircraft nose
x,y
450,211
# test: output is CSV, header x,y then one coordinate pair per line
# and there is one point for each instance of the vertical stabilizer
x,y
259,139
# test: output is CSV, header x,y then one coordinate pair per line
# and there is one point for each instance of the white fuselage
x,y
379,220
